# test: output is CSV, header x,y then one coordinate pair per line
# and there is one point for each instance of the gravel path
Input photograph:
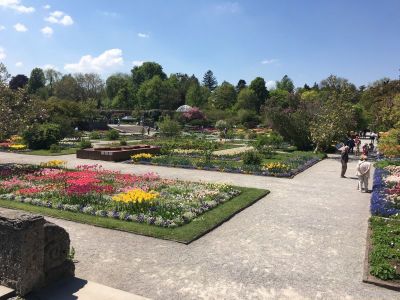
x,y
304,240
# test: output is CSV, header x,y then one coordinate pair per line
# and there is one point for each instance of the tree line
x,y
309,115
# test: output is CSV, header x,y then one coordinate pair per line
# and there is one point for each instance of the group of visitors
x,y
362,169
356,143
363,166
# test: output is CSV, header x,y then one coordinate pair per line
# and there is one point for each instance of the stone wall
x,y
33,252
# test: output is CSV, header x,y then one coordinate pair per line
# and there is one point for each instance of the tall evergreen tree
x,y
240,85
209,80
258,86
36,81
285,84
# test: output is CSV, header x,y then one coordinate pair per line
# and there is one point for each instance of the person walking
x,y
363,172
372,136
351,144
344,158
357,141
365,149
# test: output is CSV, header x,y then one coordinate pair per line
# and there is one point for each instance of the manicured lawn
x,y
184,234
48,153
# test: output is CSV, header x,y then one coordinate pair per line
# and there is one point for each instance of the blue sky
x,y
308,40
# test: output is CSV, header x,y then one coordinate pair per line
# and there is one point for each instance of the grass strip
x,y
183,234
44,152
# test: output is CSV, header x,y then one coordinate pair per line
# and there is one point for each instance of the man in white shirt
x,y
363,173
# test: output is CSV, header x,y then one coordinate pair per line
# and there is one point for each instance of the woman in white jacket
x,y
363,172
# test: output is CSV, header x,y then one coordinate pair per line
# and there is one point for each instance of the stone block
x,y
32,251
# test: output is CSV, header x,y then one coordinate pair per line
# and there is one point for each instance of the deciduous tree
x,y
17,82
146,72
224,96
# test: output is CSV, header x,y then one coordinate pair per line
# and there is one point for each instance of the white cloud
x,y
269,61
19,64
137,63
2,27
2,53
59,17
17,6
271,85
108,59
143,35
49,66
110,14
227,7
47,6
47,31
20,27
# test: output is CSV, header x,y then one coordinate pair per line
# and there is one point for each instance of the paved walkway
x,y
304,240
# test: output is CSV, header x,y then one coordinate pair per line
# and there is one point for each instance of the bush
x,y
241,136
95,135
112,135
248,118
169,127
83,144
41,136
123,142
275,139
389,143
252,135
55,148
221,125
251,158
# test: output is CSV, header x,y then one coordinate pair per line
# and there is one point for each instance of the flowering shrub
x,y
389,144
92,190
194,114
16,139
141,157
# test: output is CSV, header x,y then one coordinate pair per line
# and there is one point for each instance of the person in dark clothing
x,y
148,130
351,145
344,158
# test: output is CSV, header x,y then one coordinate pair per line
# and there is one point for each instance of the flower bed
x,y
287,168
15,143
94,191
385,198
383,251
